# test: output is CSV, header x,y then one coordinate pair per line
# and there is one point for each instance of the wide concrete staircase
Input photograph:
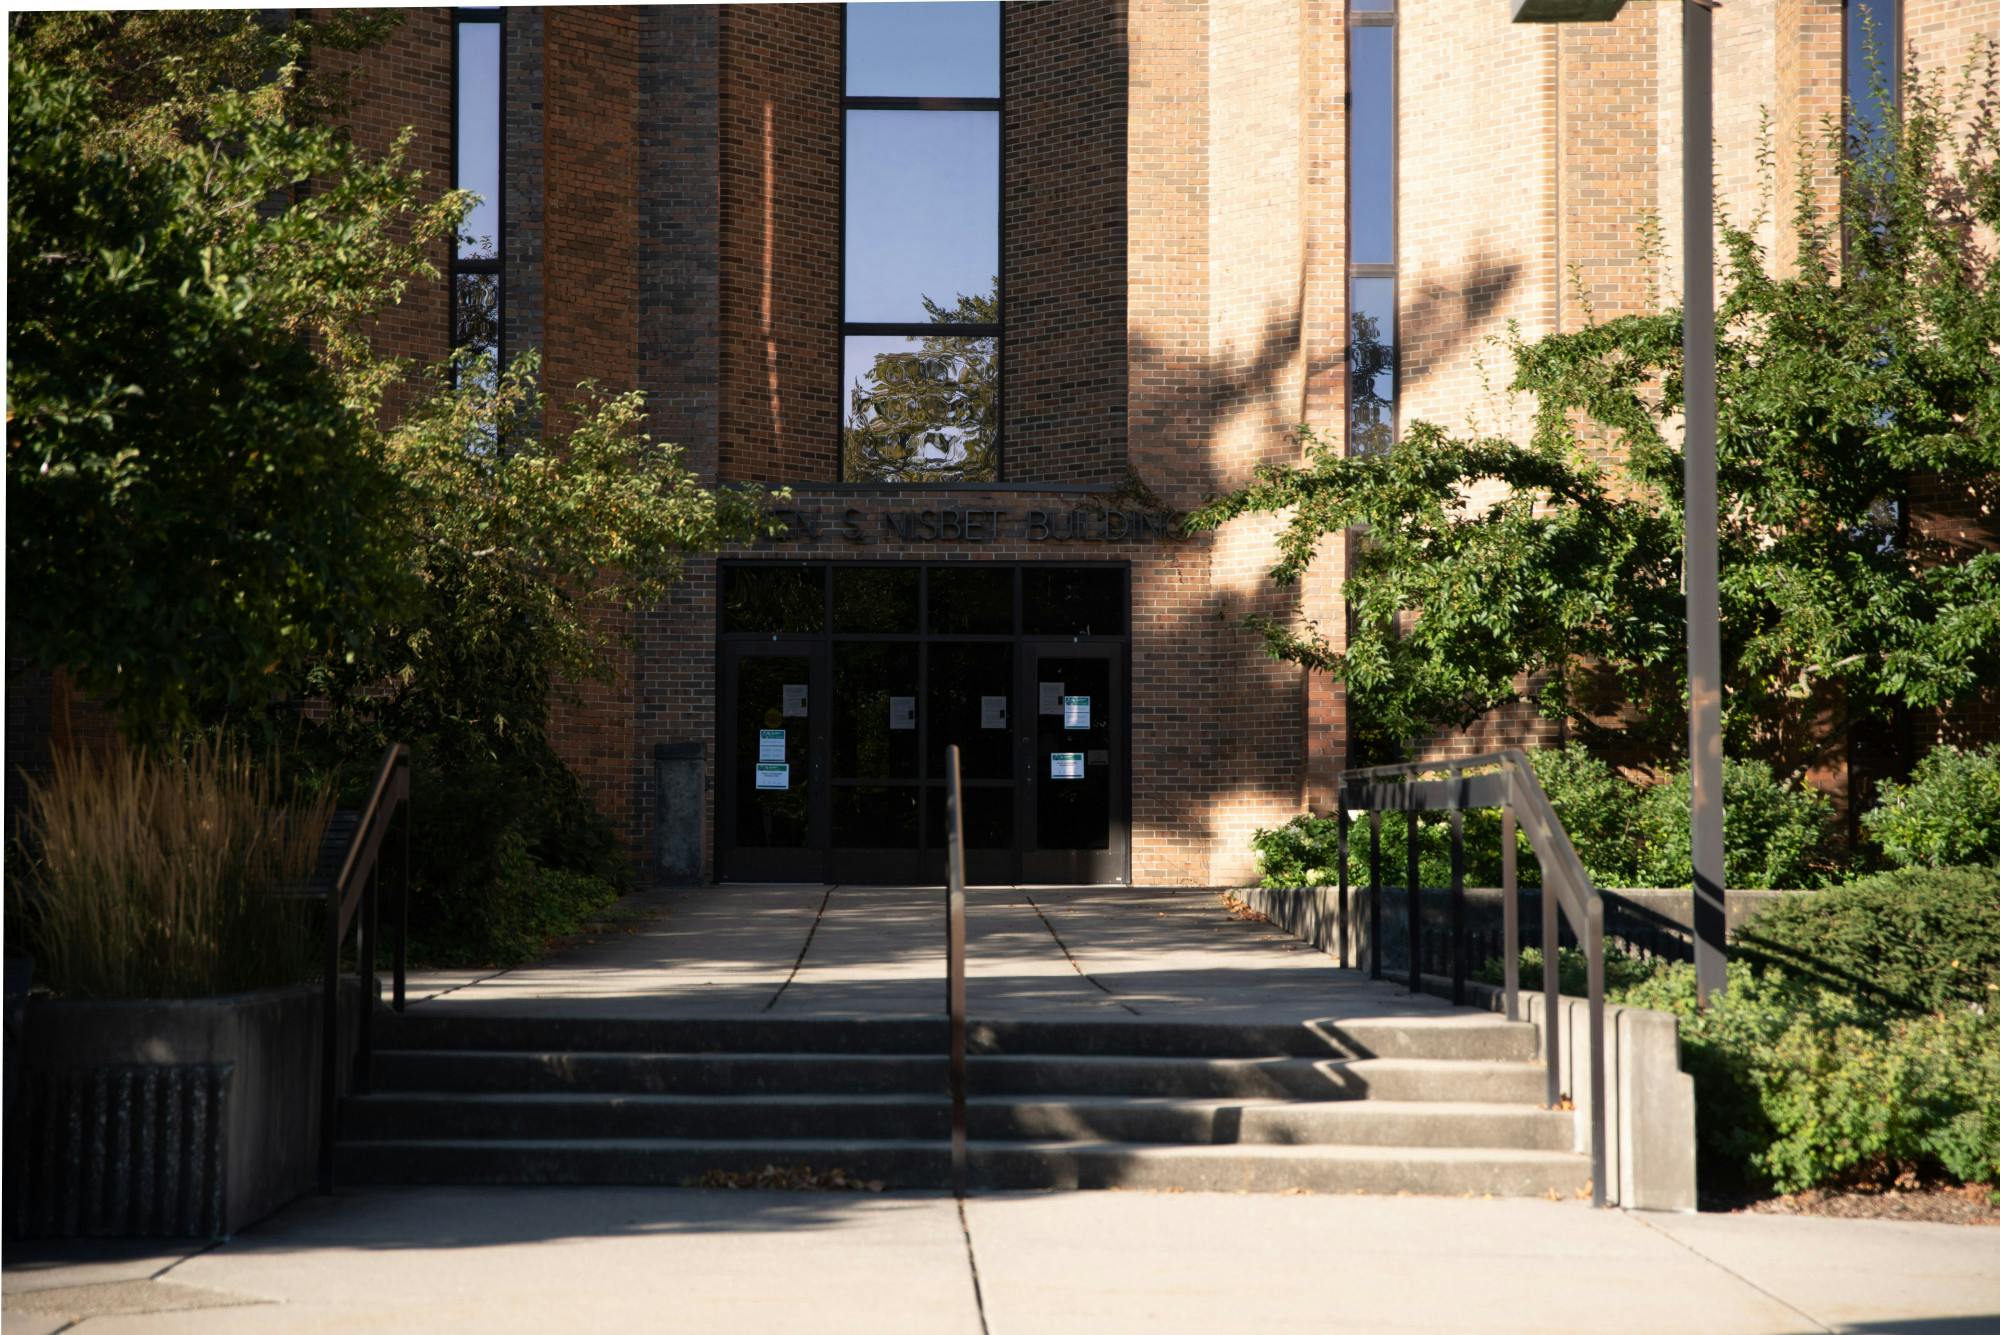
x,y
1447,1103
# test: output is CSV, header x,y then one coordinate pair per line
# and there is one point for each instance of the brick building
x,y
1186,206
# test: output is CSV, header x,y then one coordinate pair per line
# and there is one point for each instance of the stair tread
x,y
607,1144
979,1058
1333,1108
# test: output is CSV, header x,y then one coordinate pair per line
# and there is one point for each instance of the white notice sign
x,y
903,712
770,744
1066,765
774,776
795,702
992,711
1076,711
1052,697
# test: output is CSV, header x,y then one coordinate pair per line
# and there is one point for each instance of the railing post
x,y
1510,913
1374,894
1460,947
1340,823
329,1066
1551,982
1412,888
1594,954
954,827
371,906
403,891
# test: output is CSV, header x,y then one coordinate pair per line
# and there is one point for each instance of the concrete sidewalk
x,y
542,1260
874,950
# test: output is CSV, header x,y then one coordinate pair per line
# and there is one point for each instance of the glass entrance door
x,y
1075,788
842,685
772,811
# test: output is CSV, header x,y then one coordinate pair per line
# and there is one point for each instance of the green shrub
x,y
1913,940
519,907
1598,808
496,835
1947,815
1799,1086
1305,851
1774,834
153,876
1573,971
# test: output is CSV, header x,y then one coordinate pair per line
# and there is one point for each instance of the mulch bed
x,y
1918,1204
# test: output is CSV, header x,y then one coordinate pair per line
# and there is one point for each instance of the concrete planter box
x,y
168,1118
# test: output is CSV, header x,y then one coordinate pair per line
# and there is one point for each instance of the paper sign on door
x,y
795,702
770,744
774,776
1066,765
992,711
1076,711
1052,697
903,713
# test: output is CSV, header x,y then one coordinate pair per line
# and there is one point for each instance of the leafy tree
x,y
197,506
1877,359
930,415
526,550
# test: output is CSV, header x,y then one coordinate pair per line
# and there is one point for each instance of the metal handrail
x,y
954,831
355,894
1510,785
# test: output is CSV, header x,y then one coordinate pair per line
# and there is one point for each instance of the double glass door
x,y
832,747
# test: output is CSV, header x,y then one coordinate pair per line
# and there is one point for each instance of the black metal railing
x,y
1505,780
954,956
354,900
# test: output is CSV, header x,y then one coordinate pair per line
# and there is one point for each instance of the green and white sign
x,y
1066,765
774,776
770,744
1076,711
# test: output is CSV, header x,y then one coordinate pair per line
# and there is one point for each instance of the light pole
x,y
1700,560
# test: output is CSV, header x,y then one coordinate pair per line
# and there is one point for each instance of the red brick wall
x,y
589,269
1063,308
406,83
780,241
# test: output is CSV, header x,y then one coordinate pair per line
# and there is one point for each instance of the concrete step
x,y
994,1164
1401,1078
1446,1035
413,1116
659,1072
1416,1080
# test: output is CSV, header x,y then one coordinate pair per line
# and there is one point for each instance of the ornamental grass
x,y
150,875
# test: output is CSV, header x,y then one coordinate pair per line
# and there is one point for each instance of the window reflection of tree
x,y
930,414
1371,368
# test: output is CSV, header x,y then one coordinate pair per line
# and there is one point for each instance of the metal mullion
x,y
850,102
915,329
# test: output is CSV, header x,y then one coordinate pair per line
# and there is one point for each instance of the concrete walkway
x,y
541,1260
859,950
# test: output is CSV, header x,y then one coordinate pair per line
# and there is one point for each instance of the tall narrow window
x,y
475,261
920,282
1874,46
1371,226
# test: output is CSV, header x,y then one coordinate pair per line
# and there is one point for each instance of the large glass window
x,y
920,283
476,126
1371,226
